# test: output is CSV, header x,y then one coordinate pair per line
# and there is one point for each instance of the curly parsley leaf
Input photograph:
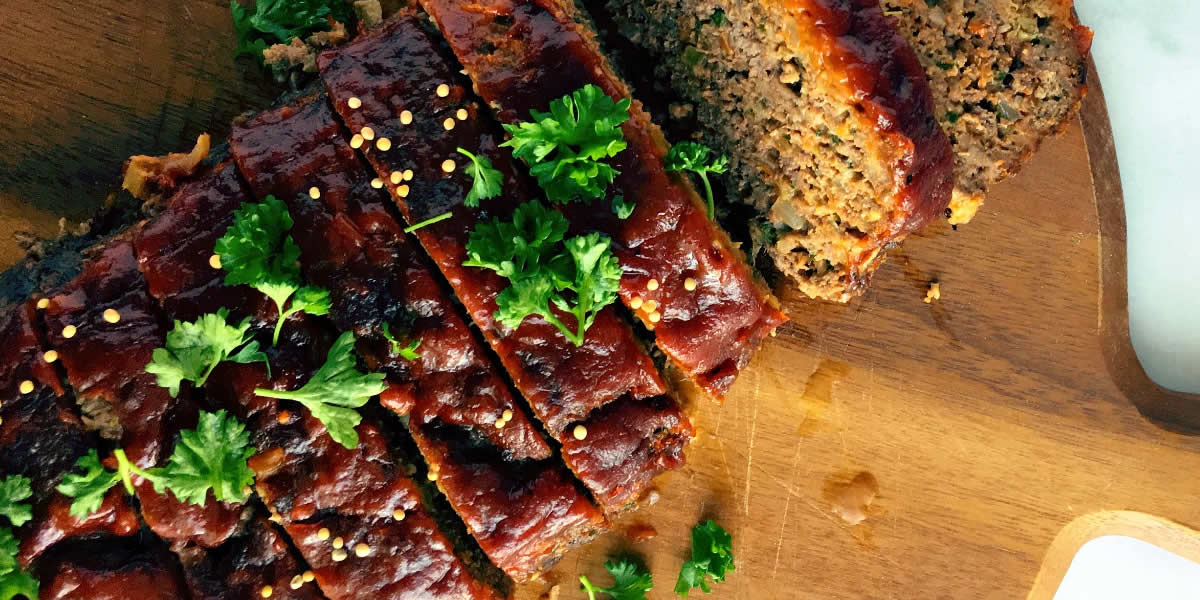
x,y
193,349
597,276
334,392
13,580
211,456
566,147
622,207
578,276
520,246
712,556
697,158
279,21
13,490
257,250
631,581
408,352
486,180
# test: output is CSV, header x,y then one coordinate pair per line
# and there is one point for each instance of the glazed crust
x,y
540,52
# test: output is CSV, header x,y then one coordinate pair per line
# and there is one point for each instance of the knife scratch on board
x,y
750,461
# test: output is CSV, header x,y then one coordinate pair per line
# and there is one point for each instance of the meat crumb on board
x,y
934,293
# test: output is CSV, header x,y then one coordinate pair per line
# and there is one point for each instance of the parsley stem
x,y
428,222
278,328
279,394
576,339
588,587
207,372
126,469
708,194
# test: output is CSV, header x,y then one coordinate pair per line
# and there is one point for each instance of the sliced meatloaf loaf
x,y
825,113
1005,74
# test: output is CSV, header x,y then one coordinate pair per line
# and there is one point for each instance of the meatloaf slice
x,y
1005,75
825,114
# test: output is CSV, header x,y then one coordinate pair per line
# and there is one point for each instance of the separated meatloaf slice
x,y
825,113
1005,75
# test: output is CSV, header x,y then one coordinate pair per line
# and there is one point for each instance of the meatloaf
x,y
825,114
1004,74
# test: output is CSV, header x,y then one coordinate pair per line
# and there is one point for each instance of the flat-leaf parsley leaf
x,y
257,250
88,488
566,148
213,456
485,179
697,158
630,581
712,556
193,349
14,490
14,581
335,390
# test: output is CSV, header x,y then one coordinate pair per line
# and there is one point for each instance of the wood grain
x,y
990,419
85,85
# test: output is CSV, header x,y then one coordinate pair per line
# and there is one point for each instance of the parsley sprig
x,y
14,581
14,490
631,581
566,148
193,349
279,21
213,456
257,250
697,158
335,391
578,276
712,556
485,179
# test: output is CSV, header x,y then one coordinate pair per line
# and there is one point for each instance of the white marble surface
x,y
1148,55
1123,568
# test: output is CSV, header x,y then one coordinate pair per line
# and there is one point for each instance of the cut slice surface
x,y
827,118
1005,75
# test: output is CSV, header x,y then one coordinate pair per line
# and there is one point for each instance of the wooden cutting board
x,y
989,422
